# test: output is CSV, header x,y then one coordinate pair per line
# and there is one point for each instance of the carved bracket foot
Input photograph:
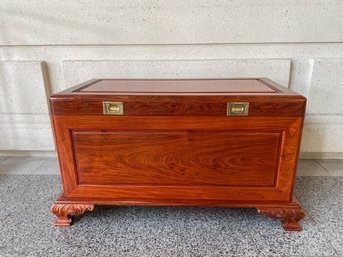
x,y
65,211
289,217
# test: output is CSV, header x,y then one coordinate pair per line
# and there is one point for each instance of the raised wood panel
x,y
287,157
177,157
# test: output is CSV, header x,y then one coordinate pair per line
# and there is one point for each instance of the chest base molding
x,y
289,213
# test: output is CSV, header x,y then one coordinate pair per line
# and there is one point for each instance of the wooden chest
x,y
207,142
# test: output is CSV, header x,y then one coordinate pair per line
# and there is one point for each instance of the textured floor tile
x,y
35,236
215,232
216,215
334,167
334,236
319,191
49,167
8,183
272,240
139,215
157,240
14,165
224,240
330,216
330,222
108,231
142,231
32,189
310,168
92,235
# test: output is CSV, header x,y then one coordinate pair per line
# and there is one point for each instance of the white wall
x,y
46,46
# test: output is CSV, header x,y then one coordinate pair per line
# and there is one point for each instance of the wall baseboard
x,y
28,153
322,155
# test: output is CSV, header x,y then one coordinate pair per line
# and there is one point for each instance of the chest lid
x,y
179,97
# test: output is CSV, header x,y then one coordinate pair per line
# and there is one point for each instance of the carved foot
x,y
289,217
65,211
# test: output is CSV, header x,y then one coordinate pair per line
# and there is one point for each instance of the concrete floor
x,y
28,187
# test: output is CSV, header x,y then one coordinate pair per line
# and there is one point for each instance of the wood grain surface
x,y
180,106
154,157
286,157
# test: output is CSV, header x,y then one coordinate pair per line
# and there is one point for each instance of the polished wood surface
x,y
289,214
175,87
289,127
260,106
196,87
65,212
179,150
268,100
128,157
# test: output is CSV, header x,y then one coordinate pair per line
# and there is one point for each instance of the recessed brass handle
x,y
237,109
113,108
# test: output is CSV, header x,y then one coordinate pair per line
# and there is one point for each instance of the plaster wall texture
x,y
47,46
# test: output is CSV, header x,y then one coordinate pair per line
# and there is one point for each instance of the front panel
x,y
178,158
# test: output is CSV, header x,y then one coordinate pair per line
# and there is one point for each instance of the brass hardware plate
x,y
238,109
113,108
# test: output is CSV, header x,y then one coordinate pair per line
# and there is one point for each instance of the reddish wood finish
x,y
64,212
179,106
175,86
179,149
273,101
290,215
128,157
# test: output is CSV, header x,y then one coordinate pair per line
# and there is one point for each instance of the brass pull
x,y
237,109
113,108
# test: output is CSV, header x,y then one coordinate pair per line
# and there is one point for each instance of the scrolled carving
x,y
290,217
65,211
